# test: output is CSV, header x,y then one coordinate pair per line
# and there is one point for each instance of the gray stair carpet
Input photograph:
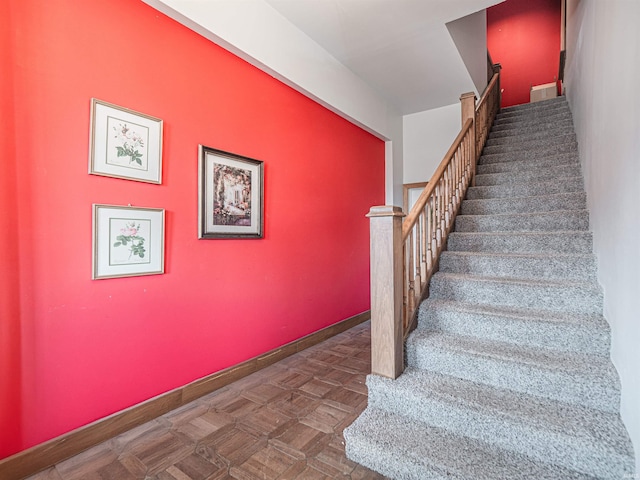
x,y
508,373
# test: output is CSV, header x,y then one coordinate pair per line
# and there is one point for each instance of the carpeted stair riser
x,y
524,222
558,185
527,145
521,242
401,448
528,176
585,380
571,297
508,371
541,203
522,424
533,266
557,331
522,166
529,155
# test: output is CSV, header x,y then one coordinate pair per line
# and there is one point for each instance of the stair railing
x,y
405,253
487,109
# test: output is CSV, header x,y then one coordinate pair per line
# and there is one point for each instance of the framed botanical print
x,y
230,191
127,241
124,144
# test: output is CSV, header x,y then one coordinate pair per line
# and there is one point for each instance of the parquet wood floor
x,y
283,422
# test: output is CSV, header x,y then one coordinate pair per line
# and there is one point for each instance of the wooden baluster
x,y
452,179
429,236
423,240
416,266
445,201
409,268
387,334
460,175
440,203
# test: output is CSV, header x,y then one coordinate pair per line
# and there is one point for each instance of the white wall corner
x,y
259,34
427,137
469,35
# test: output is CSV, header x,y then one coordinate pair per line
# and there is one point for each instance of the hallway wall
x,y
524,37
603,37
89,348
10,384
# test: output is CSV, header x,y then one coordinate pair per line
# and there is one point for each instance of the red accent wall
x,y
524,36
10,343
90,348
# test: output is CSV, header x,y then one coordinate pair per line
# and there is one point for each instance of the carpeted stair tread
x,y
502,138
529,204
403,449
529,155
526,144
526,176
522,242
527,121
564,296
557,185
587,380
549,128
581,267
524,222
572,436
560,331
521,166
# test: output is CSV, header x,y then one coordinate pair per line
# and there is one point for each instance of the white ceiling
x,y
401,48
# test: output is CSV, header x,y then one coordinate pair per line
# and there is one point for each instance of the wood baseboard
x,y
47,454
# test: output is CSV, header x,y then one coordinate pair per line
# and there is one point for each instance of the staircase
x,y
508,373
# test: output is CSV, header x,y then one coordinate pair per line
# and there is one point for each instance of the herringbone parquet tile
x,y
283,422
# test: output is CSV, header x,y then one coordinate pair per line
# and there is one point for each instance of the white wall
x,y
426,137
602,78
470,36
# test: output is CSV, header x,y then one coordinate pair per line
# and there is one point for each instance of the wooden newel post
x,y
387,335
468,105
497,68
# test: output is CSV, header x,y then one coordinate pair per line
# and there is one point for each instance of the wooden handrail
x,y
405,253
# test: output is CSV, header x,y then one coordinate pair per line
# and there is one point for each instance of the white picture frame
x,y
127,241
124,143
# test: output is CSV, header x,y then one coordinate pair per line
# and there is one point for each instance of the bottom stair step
x,y
401,448
587,380
578,438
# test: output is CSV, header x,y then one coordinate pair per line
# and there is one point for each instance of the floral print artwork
x,y
232,195
127,144
129,240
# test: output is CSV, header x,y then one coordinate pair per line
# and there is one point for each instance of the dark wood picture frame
x,y
230,195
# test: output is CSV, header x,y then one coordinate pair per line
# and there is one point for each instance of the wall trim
x,y
51,452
